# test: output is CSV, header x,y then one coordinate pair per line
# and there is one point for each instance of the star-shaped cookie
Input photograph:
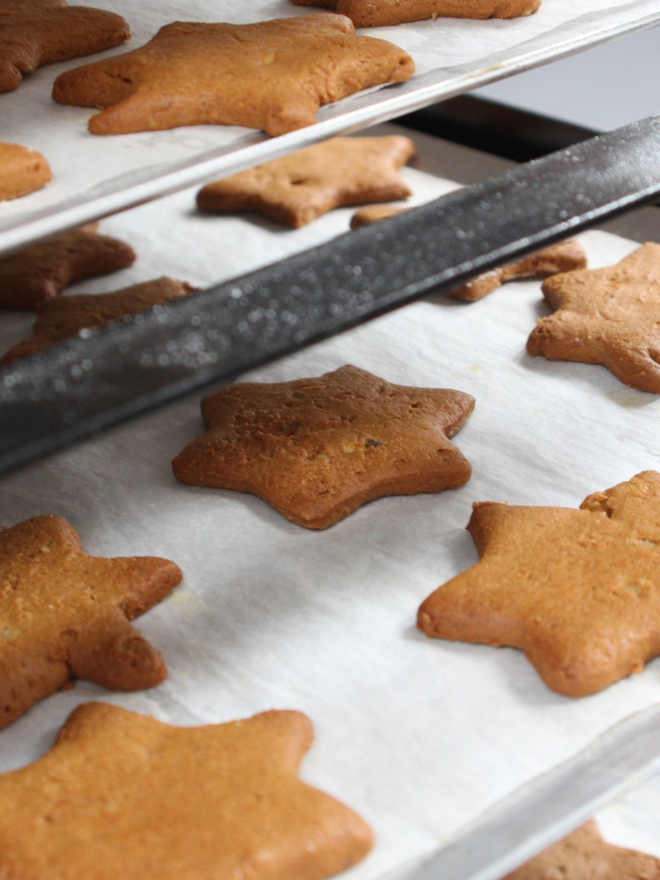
x,y
316,449
577,590
299,188
381,13
66,316
34,275
37,32
124,795
22,171
65,615
607,316
584,855
272,75
563,257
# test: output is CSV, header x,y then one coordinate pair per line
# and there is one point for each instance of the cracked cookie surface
x,y
317,449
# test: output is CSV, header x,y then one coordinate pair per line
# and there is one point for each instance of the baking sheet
x,y
419,736
96,176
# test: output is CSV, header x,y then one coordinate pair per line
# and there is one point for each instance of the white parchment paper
x,y
455,54
418,735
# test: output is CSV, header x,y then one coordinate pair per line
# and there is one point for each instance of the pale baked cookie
x,y
22,171
40,272
37,32
272,75
562,257
121,795
316,449
584,855
65,615
378,13
607,316
577,590
299,188
66,316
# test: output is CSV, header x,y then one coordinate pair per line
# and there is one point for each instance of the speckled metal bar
x,y
117,372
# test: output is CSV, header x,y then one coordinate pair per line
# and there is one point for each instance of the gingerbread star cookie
x,y
380,13
37,32
124,795
299,188
65,615
66,316
584,855
562,257
29,278
22,171
577,590
566,256
272,75
316,449
607,316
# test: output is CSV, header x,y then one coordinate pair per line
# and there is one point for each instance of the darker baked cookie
x,y
316,449
299,188
122,795
272,75
379,13
607,316
38,273
22,171
66,316
37,32
577,590
66,615
584,855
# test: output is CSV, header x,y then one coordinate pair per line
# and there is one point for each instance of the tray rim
x,y
370,108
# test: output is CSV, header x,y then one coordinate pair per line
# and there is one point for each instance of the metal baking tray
x,y
96,176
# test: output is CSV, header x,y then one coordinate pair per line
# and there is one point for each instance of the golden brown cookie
x,y
124,795
34,275
316,449
607,316
577,590
65,615
38,32
584,855
22,171
66,316
374,213
299,188
272,75
562,257
379,13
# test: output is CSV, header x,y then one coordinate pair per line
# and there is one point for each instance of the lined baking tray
x,y
96,176
420,736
